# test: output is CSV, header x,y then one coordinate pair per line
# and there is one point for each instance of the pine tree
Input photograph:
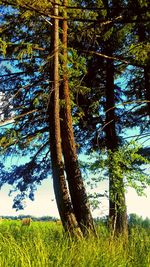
x,y
75,182
60,187
103,43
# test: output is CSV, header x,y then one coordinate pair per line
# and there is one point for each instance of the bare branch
x,y
128,102
12,120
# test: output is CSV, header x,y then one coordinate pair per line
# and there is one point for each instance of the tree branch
x,y
39,151
12,120
29,7
127,62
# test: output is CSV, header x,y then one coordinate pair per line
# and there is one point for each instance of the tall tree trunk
x,y
142,35
117,205
60,187
147,86
77,190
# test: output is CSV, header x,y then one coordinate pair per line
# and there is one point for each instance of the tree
x,y
59,180
60,187
137,89
97,57
142,31
100,79
75,182
110,46
117,205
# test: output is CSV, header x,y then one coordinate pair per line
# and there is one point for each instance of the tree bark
x,y
117,205
147,86
141,33
75,182
60,187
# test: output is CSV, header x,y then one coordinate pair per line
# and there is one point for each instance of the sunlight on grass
x,y
43,245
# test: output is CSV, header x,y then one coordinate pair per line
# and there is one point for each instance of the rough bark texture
x,y
60,187
77,190
117,205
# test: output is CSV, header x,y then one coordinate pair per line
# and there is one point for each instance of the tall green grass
x,y
43,244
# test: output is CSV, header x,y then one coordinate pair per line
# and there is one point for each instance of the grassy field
x,y
43,244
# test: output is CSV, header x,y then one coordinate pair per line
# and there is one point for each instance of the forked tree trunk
x,y
117,205
60,187
77,190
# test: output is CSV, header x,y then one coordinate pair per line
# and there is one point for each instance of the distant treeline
x,y
20,217
133,219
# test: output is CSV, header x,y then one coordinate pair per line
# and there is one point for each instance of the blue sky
x,y
44,203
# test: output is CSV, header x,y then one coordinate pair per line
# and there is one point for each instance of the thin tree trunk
x,y
60,187
77,190
117,205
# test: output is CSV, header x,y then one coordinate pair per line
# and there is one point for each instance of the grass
x,y
43,245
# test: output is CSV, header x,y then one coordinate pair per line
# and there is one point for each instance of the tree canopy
x,y
107,73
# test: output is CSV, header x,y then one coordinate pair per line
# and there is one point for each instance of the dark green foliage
x,y
138,221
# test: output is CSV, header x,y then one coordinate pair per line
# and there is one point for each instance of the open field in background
x,y
43,244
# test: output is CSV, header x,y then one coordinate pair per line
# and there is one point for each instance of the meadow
x,y
43,244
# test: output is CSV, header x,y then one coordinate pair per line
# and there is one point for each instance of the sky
x,y
44,203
